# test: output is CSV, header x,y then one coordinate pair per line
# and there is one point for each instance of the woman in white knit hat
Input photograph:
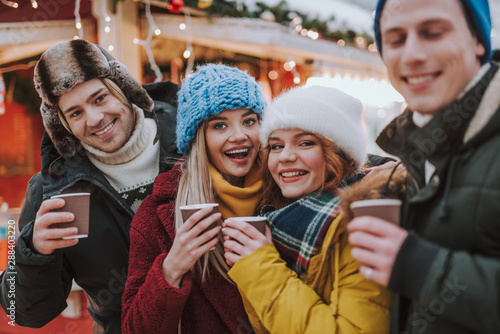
x,y
300,277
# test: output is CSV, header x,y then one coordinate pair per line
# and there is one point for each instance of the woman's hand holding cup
x,y
192,240
242,238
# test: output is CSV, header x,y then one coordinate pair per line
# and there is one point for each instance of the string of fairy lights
x,y
177,6
153,30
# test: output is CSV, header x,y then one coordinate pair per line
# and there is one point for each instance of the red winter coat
x,y
150,304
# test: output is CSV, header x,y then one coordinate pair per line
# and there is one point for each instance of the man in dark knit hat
x,y
444,262
106,136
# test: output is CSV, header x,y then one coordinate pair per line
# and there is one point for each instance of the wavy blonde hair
x,y
195,187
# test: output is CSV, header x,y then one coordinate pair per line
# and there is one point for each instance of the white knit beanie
x,y
324,111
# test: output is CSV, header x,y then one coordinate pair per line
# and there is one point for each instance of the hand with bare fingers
x,y
47,237
190,243
241,239
375,244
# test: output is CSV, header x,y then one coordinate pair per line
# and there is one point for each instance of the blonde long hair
x,y
195,187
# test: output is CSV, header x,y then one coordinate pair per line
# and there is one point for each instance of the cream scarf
x,y
136,164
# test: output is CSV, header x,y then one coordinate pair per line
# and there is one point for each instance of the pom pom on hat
x,y
212,89
327,112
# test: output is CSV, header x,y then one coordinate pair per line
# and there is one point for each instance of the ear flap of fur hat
x,y
67,64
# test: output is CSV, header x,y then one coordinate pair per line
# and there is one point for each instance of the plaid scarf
x,y
298,229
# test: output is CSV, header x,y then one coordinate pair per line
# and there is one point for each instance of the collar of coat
x,y
468,121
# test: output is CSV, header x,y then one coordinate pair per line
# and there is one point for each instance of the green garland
x,y
229,8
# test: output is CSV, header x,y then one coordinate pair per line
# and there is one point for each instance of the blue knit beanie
x,y
212,89
478,11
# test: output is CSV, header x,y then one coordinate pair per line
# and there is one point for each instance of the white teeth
x,y
106,129
243,150
292,174
419,80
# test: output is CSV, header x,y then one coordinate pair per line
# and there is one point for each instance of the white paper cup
x,y
79,205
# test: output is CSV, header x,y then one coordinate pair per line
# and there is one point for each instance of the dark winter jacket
x,y
150,303
99,263
447,272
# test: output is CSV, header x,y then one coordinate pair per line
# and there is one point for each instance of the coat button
x,y
435,181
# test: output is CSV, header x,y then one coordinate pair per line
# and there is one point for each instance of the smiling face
x,y
232,140
296,162
429,51
96,116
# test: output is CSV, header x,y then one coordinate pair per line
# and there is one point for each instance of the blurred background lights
x,y
272,75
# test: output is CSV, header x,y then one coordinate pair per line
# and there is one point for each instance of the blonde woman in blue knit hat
x,y
304,279
177,272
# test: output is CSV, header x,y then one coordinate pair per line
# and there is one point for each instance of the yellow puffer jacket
x,y
333,298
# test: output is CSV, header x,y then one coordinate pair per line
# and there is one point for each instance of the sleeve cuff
x,y
412,265
25,252
156,279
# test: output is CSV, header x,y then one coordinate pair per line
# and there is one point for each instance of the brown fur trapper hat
x,y
67,64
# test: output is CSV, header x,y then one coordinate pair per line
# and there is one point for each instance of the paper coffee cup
x,y
79,205
188,210
258,222
387,209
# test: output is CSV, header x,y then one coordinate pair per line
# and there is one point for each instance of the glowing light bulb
x,y
296,80
287,66
273,75
157,32
187,54
111,48
136,41
34,4
372,47
182,26
107,19
78,25
107,29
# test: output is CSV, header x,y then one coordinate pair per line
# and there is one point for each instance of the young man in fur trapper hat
x,y
104,135
444,262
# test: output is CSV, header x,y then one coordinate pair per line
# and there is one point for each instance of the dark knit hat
x,y
212,89
67,64
477,10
